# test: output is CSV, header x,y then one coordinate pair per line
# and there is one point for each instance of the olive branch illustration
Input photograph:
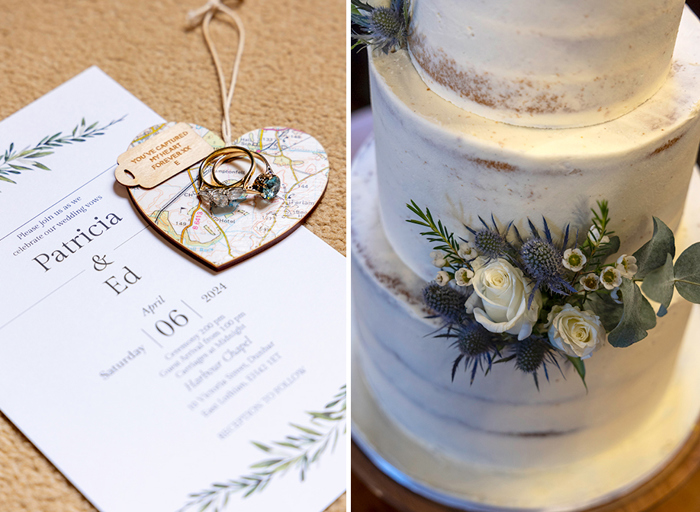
x,y
14,162
296,451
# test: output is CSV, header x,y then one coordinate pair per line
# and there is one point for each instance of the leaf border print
x,y
14,162
299,451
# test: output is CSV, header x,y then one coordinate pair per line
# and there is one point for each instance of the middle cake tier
x,y
462,166
501,419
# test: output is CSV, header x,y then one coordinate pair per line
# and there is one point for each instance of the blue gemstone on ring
x,y
270,187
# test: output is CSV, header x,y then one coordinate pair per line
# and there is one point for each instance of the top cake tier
x,y
545,63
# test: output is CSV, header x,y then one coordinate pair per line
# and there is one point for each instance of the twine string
x,y
203,17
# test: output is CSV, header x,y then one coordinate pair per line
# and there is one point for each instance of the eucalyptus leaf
x,y
637,317
658,285
605,308
652,254
580,368
687,273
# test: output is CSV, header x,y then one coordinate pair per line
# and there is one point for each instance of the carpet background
x,y
292,74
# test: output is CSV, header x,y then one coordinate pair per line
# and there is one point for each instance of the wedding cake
x,y
522,110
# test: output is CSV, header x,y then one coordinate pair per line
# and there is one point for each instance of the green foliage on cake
x,y
537,301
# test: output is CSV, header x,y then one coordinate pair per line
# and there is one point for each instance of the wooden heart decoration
x,y
173,208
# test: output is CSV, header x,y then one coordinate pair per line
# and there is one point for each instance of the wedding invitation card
x,y
149,381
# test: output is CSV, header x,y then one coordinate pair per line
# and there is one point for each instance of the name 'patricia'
x,y
81,240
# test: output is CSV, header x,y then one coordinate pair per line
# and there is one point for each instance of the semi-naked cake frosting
x,y
624,79
462,165
545,62
502,420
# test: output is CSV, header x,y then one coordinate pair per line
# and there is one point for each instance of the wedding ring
x,y
221,156
220,194
267,184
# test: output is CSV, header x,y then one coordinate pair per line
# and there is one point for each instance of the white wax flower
x,y
463,276
438,258
611,278
594,235
577,333
627,265
499,301
574,259
466,252
442,278
590,282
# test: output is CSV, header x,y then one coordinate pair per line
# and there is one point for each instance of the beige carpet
x,y
292,74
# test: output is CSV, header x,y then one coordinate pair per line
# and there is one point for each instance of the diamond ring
x,y
220,194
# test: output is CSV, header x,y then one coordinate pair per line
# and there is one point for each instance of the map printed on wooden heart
x,y
220,240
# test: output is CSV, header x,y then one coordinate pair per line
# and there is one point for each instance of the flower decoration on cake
x,y
383,27
542,302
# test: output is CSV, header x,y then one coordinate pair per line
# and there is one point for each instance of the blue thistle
x,y
476,346
542,261
383,27
490,242
534,353
445,301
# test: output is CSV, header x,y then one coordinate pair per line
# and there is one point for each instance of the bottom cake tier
x,y
460,443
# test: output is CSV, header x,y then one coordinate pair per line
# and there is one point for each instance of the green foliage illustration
x,y
298,451
14,162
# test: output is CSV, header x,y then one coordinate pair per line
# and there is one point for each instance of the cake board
x,y
662,447
672,478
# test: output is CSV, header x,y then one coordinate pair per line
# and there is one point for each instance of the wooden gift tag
x,y
161,157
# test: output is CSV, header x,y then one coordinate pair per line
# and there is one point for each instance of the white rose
x,y
575,332
479,262
499,301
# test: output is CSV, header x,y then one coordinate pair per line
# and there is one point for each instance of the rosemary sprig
x,y
596,250
296,451
438,234
14,161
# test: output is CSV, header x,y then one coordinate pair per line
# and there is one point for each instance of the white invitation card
x,y
150,382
